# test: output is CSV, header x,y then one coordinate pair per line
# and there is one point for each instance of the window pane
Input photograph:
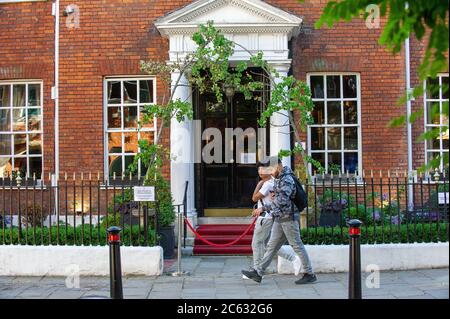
x,y
19,95
19,120
36,166
433,113
34,95
434,143
148,136
334,163
5,166
115,142
114,96
20,144
317,138
145,121
20,165
351,162
146,91
351,138
115,165
334,138
114,117
333,86
433,88
128,161
445,140
35,146
320,157
130,117
5,120
317,87
445,88
5,144
4,95
318,113
350,112
34,119
131,142
350,90
129,92
334,112
432,155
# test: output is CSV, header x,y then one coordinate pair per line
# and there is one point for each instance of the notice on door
x,y
144,193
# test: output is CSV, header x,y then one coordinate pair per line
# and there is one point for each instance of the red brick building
x,y
96,84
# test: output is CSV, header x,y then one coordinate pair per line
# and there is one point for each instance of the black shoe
x,y
306,279
252,274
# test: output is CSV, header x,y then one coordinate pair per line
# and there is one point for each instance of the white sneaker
x,y
245,277
297,265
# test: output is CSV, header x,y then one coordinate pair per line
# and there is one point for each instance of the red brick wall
x,y
114,35
352,47
26,52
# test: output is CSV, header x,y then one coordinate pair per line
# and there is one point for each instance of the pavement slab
x,y
220,278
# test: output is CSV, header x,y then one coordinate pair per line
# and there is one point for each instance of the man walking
x,y
262,196
286,225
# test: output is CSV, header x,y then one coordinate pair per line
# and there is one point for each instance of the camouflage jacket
x,y
282,207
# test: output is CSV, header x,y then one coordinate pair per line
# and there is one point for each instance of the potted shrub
x,y
166,216
333,205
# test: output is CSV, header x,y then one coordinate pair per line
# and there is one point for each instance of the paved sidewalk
x,y
219,278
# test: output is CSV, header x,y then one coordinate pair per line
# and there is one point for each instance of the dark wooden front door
x,y
228,184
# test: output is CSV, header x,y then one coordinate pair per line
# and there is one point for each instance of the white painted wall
x,y
335,258
91,261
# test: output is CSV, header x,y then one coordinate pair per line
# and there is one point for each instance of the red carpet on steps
x,y
223,234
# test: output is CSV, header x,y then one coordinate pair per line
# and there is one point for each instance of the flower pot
x,y
329,218
167,240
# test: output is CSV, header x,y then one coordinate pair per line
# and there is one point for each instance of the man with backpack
x,y
289,194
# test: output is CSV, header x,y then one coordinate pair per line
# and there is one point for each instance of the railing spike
x,y
74,176
114,175
65,176
98,175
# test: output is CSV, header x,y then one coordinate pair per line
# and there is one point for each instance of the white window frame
x,y
107,130
440,100
26,131
325,99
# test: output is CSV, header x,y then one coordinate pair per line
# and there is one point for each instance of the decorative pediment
x,y
232,16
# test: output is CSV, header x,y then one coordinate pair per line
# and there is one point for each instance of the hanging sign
x,y
144,193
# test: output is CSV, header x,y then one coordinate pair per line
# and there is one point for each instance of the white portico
x,y
255,25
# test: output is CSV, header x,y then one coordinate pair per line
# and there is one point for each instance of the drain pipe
x,y
55,88
408,123
55,97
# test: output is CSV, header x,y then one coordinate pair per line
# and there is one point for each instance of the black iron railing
x,y
77,211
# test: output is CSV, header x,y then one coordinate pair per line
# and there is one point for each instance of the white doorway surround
x,y
255,25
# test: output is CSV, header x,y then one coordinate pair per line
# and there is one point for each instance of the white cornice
x,y
268,19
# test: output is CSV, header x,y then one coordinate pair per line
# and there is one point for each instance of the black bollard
x,y
115,268
354,282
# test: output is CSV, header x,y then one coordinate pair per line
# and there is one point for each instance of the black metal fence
x,y
77,210
394,208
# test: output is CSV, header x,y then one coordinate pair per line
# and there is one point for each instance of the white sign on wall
x,y
443,198
144,193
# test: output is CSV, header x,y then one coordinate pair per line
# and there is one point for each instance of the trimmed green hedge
x,y
312,236
94,237
409,233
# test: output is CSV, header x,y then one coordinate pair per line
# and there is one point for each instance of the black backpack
x,y
300,199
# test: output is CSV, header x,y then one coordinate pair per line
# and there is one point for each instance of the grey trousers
x,y
260,239
282,231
